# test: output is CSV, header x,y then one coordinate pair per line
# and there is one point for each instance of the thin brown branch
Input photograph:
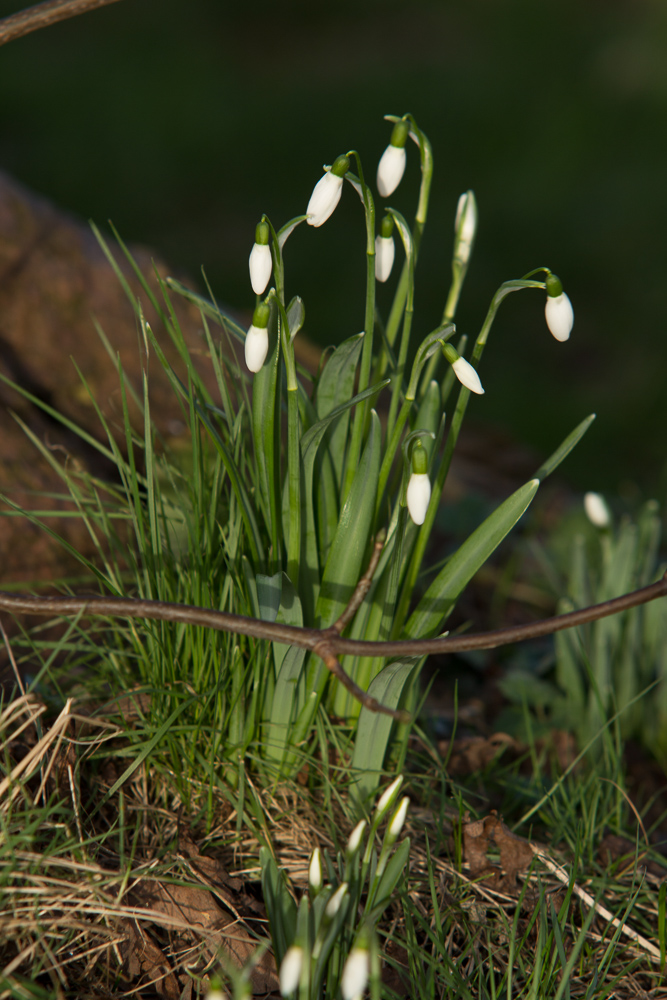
x,y
44,14
326,643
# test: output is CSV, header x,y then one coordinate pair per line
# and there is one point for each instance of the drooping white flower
x,y
465,226
558,310
418,496
390,170
392,162
326,193
259,262
315,872
597,510
257,338
463,370
355,974
385,251
467,376
290,970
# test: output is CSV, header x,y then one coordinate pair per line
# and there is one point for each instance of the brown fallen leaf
x,y
144,961
516,853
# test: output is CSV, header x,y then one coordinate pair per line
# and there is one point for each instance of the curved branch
x,y
326,643
44,14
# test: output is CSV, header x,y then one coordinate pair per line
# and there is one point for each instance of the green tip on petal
x,y
419,459
387,226
400,133
260,317
340,166
262,233
554,285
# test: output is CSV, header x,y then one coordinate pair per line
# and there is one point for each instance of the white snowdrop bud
x,y
597,510
558,310
388,796
392,162
326,193
463,370
257,338
290,970
355,974
315,872
259,262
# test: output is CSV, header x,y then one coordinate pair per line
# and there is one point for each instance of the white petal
x,y
419,494
326,195
260,267
467,376
355,837
256,347
355,974
385,251
597,510
333,906
390,170
398,819
559,315
290,970
315,871
389,793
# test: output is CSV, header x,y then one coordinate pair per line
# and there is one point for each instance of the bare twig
x,y
44,14
326,643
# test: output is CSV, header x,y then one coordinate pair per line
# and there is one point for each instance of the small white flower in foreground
x,y
333,906
326,193
215,995
257,338
558,310
315,872
392,162
465,226
397,821
259,262
354,841
597,510
290,970
385,251
463,370
388,795
355,974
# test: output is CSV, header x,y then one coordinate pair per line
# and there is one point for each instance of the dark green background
x,y
184,120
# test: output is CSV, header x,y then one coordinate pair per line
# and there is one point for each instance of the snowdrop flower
x,y
384,249
597,510
392,162
355,974
315,872
463,370
333,906
397,821
290,970
388,796
419,487
257,338
326,193
558,310
354,841
260,262
465,226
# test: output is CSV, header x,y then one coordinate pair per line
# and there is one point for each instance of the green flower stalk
x,y
558,310
326,193
259,262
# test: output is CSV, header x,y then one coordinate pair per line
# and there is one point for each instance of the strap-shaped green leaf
x,y
345,563
441,596
280,907
334,389
374,728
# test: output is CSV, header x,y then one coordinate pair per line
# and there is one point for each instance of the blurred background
x,y
184,120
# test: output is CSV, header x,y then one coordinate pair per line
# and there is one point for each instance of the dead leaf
x,y
516,854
